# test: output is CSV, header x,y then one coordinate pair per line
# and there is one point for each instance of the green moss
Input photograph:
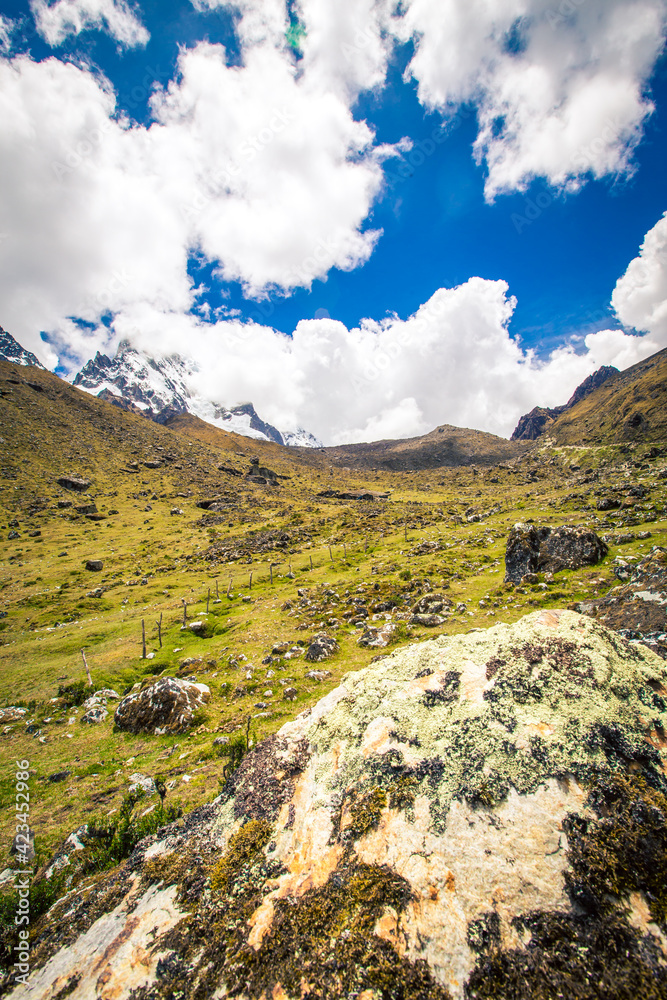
x,y
624,850
326,939
365,812
242,849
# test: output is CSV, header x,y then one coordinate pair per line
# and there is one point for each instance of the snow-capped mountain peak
x,y
163,388
11,350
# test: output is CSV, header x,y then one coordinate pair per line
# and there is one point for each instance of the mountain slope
x,y
444,446
630,406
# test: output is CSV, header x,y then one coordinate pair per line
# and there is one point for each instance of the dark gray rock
x,y
94,565
321,648
548,550
74,483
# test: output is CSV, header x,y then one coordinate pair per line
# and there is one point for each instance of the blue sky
x,y
560,221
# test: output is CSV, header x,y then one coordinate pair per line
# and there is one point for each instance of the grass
x,y
154,560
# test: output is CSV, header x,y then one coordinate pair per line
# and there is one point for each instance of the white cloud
x,y
57,20
453,362
7,28
251,166
273,177
640,296
558,88
347,46
86,230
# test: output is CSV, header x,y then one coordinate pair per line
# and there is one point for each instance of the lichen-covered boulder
x,y
169,705
531,549
475,817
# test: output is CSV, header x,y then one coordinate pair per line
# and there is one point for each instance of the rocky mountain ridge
x,y
11,350
532,425
161,389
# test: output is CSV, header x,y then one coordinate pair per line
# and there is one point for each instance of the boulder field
x,y
477,816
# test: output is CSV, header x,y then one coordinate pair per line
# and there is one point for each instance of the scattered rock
x,y
377,638
74,483
321,647
531,549
12,714
58,776
95,715
167,706
608,503
428,621
318,675
290,694
94,565
141,782
86,508
431,604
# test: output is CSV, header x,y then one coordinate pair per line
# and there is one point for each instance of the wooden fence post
x,y
87,668
159,630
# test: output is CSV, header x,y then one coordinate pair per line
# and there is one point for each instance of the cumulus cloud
x,y
85,229
640,296
559,89
453,361
57,20
274,177
251,166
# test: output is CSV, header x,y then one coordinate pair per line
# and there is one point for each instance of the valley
x,y
186,538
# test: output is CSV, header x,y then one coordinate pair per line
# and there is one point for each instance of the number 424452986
x,y
22,812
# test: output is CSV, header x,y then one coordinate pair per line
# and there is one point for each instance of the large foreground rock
x,y
480,816
168,706
548,550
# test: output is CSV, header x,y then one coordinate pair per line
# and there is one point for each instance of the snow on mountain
x,y
162,388
11,350
301,439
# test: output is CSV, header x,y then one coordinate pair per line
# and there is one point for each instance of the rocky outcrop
x,y
531,550
638,607
479,816
532,425
260,474
167,706
321,647
76,483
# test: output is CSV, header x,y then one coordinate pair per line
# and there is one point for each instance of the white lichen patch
x,y
507,708
113,957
